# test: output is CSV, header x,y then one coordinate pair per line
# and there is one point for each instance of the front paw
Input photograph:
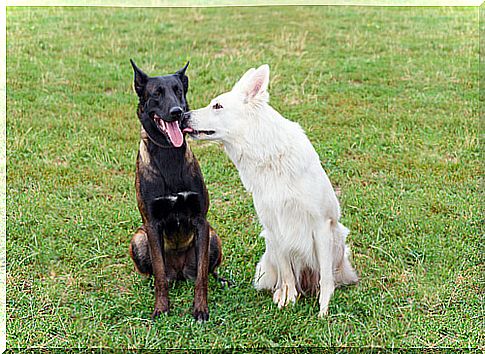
x,y
226,283
159,310
326,291
201,315
285,295
323,312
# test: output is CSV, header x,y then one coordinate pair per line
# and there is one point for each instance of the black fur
x,y
187,204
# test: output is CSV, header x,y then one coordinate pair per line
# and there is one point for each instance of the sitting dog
x,y
294,199
175,241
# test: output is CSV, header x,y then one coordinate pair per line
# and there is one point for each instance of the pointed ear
x,y
241,83
181,72
257,84
183,77
140,78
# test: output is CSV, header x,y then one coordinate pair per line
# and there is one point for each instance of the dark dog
x,y
175,241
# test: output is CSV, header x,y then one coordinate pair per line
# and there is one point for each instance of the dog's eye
x,y
217,106
159,92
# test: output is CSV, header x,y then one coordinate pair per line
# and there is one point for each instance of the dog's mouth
x,y
186,128
195,133
170,129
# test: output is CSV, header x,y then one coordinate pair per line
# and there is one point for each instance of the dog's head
x,y
162,103
228,114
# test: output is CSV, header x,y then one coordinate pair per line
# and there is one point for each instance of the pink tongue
x,y
174,133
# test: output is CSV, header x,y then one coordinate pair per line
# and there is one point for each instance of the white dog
x,y
294,199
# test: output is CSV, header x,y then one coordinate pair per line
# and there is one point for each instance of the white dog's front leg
x,y
285,291
323,244
266,273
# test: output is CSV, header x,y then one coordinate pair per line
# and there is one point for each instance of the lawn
x,y
388,97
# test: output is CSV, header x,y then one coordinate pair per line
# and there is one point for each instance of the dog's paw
x,y
159,311
323,312
266,275
326,291
284,295
201,315
226,283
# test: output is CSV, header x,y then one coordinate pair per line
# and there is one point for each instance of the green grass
x,y
388,97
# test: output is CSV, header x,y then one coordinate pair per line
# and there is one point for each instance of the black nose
x,y
185,119
176,112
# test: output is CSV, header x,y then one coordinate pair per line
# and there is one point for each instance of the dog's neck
x,y
271,147
256,144
161,152
145,137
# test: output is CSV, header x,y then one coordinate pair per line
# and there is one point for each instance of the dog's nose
x,y
185,120
176,112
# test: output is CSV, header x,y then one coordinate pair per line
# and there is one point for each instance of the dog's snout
x,y
185,120
176,112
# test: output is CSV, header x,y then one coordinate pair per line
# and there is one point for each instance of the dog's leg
x,y
215,258
161,284
344,273
266,273
285,290
201,310
140,252
215,250
323,239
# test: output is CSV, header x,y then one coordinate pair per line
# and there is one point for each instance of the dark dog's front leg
x,y
201,310
161,284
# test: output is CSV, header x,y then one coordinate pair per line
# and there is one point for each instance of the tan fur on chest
x,y
179,243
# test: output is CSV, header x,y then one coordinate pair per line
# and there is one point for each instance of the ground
x,y
388,97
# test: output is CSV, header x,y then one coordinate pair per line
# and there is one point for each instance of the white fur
x,y
292,194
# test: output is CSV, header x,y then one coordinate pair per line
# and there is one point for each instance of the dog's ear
x,y
183,77
140,78
256,84
240,85
181,72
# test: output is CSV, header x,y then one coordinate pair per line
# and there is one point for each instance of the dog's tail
x,y
140,252
343,272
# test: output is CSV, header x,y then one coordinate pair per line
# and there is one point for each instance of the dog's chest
x,y
264,169
175,216
264,176
178,242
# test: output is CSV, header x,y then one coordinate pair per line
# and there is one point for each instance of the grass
x,y
389,98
